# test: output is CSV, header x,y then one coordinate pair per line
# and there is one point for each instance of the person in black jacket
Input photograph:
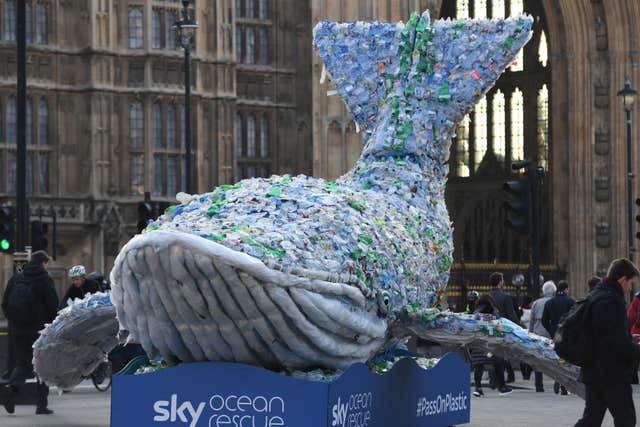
x,y
29,301
553,311
608,377
557,307
507,306
80,285
503,300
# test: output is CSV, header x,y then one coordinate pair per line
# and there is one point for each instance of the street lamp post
x,y
186,28
628,97
518,280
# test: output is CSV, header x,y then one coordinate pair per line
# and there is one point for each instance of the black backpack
x,y
22,302
573,340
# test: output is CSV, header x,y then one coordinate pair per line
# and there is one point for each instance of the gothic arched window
x,y
511,122
498,122
43,123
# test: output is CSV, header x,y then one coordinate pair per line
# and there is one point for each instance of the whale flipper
x,y
499,337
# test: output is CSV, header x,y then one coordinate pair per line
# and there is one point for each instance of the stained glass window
x,y
136,125
480,131
43,123
239,136
10,20
517,125
499,123
251,136
264,137
543,55
543,127
42,23
171,126
158,140
136,28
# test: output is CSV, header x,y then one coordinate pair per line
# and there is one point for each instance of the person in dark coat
x,y
608,377
508,309
486,305
80,285
554,310
503,301
593,282
29,301
557,307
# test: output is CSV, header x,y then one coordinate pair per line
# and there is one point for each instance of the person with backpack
x,y
81,284
596,337
29,301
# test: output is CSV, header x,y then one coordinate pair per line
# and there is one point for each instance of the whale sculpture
x,y
296,273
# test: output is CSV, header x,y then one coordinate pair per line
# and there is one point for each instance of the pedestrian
x,y
526,311
554,310
486,305
525,318
503,301
80,285
607,377
593,282
29,302
536,326
507,306
633,315
471,302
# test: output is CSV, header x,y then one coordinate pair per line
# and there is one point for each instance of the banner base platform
x,y
235,395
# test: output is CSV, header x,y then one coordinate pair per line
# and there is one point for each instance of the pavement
x,y
83,407
526,408
87,407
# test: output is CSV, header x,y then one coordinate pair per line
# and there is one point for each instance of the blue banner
x,y
235,395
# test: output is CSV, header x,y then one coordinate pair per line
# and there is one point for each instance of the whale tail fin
x,y
409,85
362,61
469,56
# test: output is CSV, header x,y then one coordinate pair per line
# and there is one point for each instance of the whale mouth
x,y
190,299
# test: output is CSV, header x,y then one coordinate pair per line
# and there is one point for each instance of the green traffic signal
x,y
5,245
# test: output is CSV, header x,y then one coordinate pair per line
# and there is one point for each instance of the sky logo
x,y
170,411
339,413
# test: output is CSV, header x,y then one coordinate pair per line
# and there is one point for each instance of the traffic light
x,y
7,230
518,207
145,214
39,239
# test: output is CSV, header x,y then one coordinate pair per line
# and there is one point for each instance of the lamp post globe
x,y
518,279
628,95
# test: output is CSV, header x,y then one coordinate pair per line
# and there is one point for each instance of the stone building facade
x,y
105,110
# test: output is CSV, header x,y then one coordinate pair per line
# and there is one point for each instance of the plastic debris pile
x,y
75,343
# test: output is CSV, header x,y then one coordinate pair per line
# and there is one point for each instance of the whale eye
x,y
384,301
